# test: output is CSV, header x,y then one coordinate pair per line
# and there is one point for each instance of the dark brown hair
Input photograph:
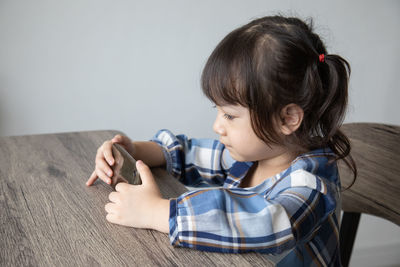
x,y
272,62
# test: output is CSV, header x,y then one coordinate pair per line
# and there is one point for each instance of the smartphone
x,y
124,168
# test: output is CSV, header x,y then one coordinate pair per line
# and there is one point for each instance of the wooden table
x,y
48,217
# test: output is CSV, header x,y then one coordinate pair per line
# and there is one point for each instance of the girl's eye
x,y
228,117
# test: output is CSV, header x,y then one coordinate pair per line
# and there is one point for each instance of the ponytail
x,y
334,108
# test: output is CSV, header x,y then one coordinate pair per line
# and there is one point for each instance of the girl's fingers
x,y
117,139
92,179
107,153
121,187
102,165
113,197
112,218
110,207
103,176
122,140
145,173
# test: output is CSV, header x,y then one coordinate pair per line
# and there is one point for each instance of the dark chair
x,y
376,151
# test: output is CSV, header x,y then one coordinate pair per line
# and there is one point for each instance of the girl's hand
x,y
140,206
105,159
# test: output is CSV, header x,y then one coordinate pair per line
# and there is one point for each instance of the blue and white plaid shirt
x,y
291,216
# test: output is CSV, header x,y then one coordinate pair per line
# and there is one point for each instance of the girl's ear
x,y
291,117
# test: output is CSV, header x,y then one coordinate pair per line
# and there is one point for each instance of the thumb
x,y
121,139
145,173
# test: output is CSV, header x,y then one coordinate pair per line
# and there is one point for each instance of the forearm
x,y
203,221
149,152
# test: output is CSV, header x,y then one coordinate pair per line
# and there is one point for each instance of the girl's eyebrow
x,y
228,106
230,109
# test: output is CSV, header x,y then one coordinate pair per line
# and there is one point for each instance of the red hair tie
x,y
321,58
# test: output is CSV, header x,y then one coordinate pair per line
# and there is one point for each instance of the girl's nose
x,y
218,127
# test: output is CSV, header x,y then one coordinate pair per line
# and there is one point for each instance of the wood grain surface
x,y
376,151
49,217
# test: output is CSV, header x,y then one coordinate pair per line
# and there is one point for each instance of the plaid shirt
x,y
291,217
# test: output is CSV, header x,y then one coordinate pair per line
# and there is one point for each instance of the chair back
x,y
376,151
376,191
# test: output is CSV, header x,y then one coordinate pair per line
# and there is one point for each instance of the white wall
x,y
135,66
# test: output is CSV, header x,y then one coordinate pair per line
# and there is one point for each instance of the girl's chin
x,y
235,156
238,157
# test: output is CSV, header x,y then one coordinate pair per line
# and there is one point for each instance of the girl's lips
x,y
227,146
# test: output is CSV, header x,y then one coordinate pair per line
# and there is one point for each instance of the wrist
x,y
161,216
149,152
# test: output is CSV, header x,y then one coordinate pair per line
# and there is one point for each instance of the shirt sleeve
x,y
195,162
237,220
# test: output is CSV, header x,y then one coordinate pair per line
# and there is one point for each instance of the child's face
x,y
233,124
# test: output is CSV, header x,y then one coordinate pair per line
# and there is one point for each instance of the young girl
x,y
272,176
